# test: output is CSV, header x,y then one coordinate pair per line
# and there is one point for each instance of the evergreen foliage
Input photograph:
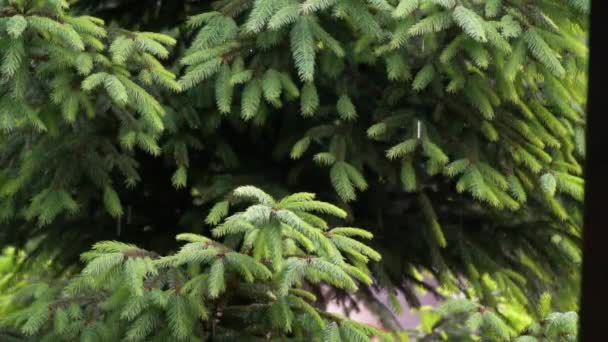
x,y
466,320
251,286
452,130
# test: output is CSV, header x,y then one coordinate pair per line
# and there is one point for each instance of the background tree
x,y
453,130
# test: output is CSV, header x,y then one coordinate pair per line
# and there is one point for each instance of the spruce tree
x,y
250,286
452,130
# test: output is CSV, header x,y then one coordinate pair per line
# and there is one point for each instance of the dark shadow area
x,y
594,298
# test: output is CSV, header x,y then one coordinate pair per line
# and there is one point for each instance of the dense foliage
x,y
246,288
452,129
249,287
465,320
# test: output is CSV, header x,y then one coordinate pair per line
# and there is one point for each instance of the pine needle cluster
x,y
248,285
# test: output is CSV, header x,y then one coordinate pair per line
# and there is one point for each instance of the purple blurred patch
x,y
407,318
